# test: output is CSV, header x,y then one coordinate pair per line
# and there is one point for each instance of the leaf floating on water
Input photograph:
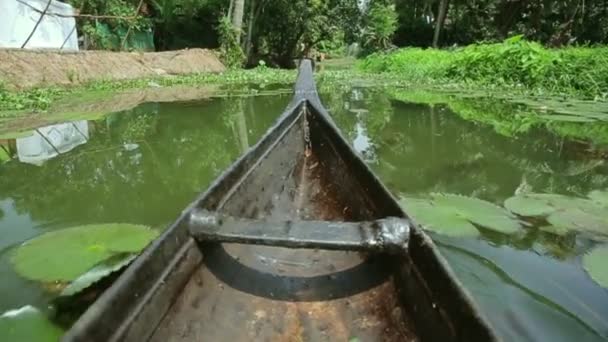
x,y
439,219
566,118
480,212
97,273
65,254
579,220
557,230
528,205
599,196
564,212
596,266
457,215
28,324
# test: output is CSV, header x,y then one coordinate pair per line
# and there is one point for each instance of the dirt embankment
x,y
21,69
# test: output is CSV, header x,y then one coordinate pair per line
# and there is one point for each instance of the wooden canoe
x,y
284,246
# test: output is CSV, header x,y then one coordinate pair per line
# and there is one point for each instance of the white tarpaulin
x,y
47,142
18,18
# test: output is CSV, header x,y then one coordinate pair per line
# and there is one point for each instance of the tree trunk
x,y
253,13
443,10
237,18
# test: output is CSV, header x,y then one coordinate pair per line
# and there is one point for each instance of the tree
x,y
237,18
443,9
380,23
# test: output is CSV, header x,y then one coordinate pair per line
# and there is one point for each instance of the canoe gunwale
x,y
148,286
173,241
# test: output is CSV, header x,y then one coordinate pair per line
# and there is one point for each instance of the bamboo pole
x,y
48,4
87,16
124,40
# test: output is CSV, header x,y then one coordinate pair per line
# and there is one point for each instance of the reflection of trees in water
x,y
139,166
422,148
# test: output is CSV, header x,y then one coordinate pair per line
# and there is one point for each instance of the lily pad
x,y
480,212
567,118
577,219
564,212
599,196
595,264
557,230
28,324
66,254
438,219
527,205
97,273
457,215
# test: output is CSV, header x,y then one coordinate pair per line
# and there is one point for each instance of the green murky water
x,y
144,165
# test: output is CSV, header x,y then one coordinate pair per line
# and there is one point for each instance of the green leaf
x,y
557,230
595,264
66,254
526,205
564,212
480,212
566,118
97,273
28,324
438,219
456,215
577,219
599,196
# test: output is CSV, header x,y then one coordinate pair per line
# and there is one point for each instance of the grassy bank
x,y
40,99
514,64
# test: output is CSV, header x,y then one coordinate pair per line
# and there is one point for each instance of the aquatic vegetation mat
x,y
595,264
457,215
564,213
66,254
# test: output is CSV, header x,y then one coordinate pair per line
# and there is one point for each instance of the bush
x,y
412,63
230,50
514,62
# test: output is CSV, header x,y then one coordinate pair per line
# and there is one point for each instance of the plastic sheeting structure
x,y
50,141
18,18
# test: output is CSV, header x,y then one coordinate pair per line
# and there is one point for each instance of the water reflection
x,y
531,285
144,165
51,141
140,166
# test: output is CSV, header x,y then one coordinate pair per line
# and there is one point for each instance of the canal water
x,y
145,165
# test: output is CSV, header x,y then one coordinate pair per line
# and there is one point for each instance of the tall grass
x,y
514,62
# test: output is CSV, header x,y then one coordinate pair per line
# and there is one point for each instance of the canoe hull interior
x,y
302,169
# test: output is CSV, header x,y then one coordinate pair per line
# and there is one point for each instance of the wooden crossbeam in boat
x,y
388,234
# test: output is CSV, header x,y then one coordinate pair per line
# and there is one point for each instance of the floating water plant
x,y
97,273
458,215
65,255
595,264
564,212
28,324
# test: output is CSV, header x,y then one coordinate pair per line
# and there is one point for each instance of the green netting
x,y
137,40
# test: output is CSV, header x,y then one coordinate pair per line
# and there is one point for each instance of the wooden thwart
x,y
388,234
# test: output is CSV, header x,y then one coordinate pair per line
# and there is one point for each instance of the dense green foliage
x,y
553,23
513,63
279,30
231,52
